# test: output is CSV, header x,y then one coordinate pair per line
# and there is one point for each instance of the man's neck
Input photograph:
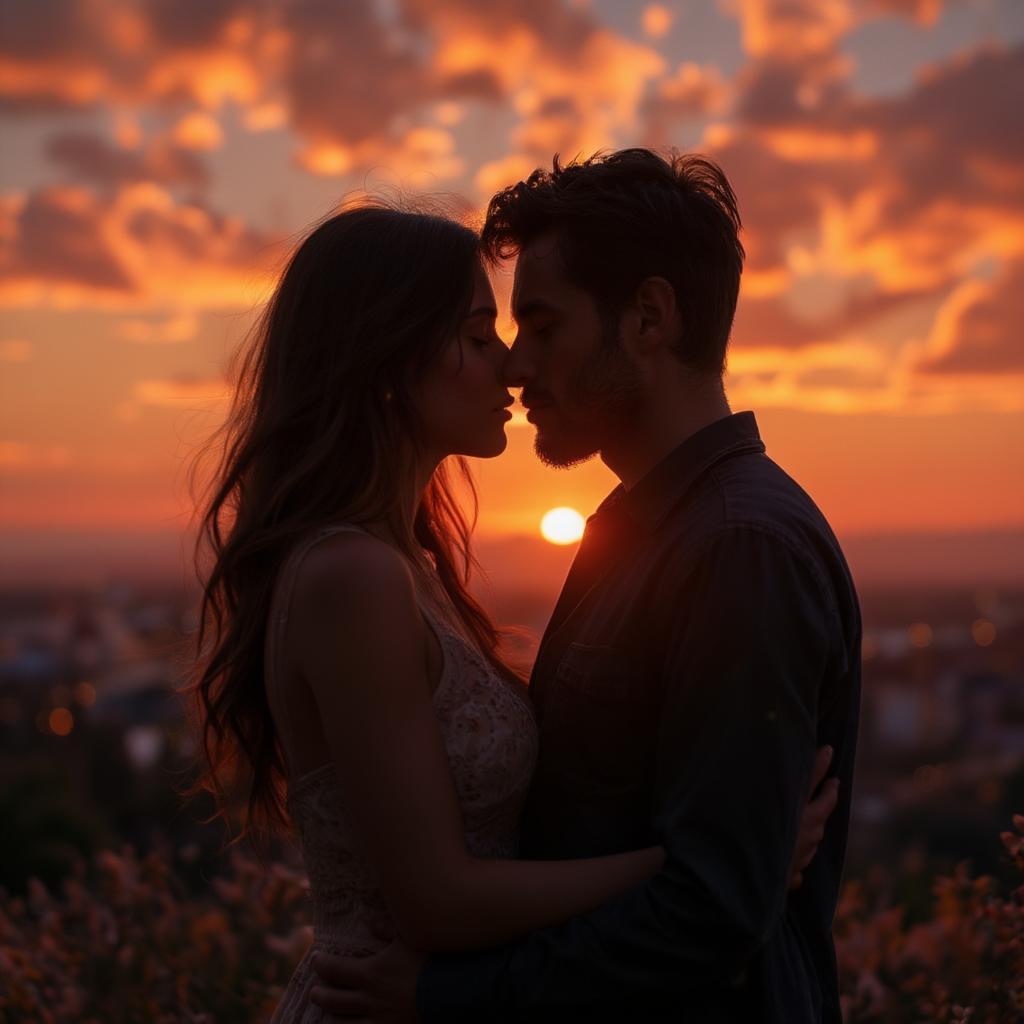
x,y
660,429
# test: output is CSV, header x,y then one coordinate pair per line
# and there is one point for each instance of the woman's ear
x,y
659,324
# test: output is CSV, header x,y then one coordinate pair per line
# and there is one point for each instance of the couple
x,y
640,835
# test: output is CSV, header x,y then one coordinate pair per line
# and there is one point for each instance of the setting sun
x,y
562,526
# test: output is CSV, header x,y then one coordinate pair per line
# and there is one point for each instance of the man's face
x,y
580,388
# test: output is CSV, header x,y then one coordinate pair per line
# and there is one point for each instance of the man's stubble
x,y
605,397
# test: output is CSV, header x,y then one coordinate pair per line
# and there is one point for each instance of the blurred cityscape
x,y
94,746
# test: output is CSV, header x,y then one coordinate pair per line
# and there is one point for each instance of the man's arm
x,y
750,649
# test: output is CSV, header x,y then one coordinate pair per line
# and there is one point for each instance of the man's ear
x,y
659,323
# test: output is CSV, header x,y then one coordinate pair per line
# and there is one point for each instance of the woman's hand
x,y
380,989
816,813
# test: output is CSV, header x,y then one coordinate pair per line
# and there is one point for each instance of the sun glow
x,y
562,526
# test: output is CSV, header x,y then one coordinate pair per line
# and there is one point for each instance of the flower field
x,y
126,941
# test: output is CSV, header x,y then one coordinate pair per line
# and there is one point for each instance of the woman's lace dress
x,y
491,739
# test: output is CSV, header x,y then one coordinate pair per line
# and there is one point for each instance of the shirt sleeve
x,y
748,651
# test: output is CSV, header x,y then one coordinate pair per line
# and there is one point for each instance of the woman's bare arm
x,y
359,642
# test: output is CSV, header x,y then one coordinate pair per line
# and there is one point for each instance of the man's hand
x,y
816,813
378,989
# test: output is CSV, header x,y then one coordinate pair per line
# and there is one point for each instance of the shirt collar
x,y
657,493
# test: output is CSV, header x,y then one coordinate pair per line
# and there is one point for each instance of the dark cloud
x,y
192,23
956,134
347,77
89,157
60,240
773,93
44,27
775,196
563,28
479,84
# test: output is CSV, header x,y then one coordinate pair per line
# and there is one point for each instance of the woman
x,y
345,669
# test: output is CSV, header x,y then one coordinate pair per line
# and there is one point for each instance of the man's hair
x,y
622,217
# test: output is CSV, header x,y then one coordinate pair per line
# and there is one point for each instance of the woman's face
x,y
461,400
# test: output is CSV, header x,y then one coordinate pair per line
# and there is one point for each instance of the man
x,y
706,641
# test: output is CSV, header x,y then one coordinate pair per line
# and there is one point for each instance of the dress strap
x,y
277,621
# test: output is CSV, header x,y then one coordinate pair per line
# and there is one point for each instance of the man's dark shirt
x,y
705,644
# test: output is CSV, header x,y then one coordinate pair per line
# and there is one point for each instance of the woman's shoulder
x,y
354,610
352,566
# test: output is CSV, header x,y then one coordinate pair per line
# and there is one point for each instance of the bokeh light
x,y
984,632
85,694
61,721
920,634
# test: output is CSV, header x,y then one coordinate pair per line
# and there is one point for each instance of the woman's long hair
x,y
322,429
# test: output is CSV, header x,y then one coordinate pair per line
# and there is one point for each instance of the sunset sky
x,y
158,158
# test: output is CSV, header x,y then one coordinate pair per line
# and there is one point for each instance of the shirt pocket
x,y
599,717
604,675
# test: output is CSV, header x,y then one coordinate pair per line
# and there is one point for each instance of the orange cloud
x,y
792,29
360,87
74,53
494,176
867,211
198,131
857,211
137,248
173,391
977,330
657,20
418,159
795,30
189,393
573,83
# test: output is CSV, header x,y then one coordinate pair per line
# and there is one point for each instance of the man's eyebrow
x,y
483,311
526,309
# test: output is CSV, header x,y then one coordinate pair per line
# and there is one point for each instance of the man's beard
x,y
605,396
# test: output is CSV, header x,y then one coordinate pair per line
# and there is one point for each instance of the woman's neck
x,y
392,529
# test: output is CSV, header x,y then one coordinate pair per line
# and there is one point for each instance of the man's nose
x,y
518,369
